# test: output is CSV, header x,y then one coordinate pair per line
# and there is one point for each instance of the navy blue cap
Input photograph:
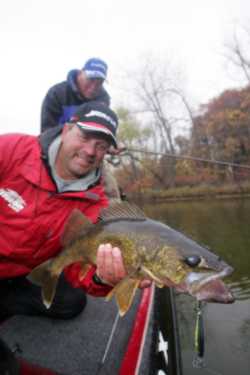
x,y
96,68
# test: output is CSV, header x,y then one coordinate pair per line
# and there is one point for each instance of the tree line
x,y
164,125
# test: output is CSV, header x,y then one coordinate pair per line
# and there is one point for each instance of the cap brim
x,y
97,128
95,74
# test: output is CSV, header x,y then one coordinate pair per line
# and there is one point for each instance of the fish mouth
x,y
209,286
196,280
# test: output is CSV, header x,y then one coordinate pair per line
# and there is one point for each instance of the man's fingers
x,y
100,260
110,266
109,263
119,269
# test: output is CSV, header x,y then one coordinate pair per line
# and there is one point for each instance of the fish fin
x,y
76,225
39,273
49,291
152,276
42,277
124,293
84,270
122,210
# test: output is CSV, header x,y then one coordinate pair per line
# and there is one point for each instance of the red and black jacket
x,y
33,213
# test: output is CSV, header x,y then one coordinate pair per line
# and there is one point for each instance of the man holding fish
x,y
58,228
42,180
51,194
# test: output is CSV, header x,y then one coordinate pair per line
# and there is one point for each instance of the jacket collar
x,y
46,138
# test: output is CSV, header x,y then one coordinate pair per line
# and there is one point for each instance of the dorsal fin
x,y
76,225
122,210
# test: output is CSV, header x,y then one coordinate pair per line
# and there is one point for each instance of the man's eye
x,y
103,148
84,138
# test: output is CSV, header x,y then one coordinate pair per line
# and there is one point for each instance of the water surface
x,y
223,226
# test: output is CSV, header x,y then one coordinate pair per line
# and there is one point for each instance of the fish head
x,y
192,274
195,274
166,256
205,282
182,263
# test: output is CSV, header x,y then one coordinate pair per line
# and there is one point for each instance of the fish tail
x,y
42,276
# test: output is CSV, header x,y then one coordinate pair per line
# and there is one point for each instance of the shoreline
x,y
146,197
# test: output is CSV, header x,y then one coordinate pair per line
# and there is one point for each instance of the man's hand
x,y
110,267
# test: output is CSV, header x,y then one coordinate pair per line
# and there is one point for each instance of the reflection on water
x,y
222,226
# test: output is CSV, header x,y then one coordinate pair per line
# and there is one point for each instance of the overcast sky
x,y
41,40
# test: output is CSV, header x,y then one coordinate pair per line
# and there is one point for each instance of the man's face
x,y
79,153
88,87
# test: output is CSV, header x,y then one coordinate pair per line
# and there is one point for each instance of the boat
x,y
99,341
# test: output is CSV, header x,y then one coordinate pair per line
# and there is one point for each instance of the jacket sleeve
x,y
87,284
51,110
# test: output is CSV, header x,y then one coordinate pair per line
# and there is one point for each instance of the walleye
x,y
150,249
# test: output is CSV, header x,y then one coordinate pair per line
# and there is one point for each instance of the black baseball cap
x,y
97,117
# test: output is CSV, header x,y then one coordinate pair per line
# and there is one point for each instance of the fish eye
x,y
192,260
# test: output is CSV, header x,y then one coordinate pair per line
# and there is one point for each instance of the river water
x,y
223,226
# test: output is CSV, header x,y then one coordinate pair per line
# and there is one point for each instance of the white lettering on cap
x,y
103,115
98,65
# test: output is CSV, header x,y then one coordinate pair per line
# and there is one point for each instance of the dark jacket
x,y
62,100
33,213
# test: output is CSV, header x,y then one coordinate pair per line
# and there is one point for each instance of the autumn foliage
x,y
220,132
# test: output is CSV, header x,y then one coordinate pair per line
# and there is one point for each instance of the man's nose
x,y
90,149
94,85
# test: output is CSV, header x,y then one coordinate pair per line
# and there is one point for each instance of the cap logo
x,y
102,115
95,68
97,65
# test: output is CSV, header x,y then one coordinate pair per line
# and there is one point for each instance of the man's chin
x,y
82,172
81,167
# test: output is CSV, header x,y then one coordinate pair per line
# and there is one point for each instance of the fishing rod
x,y
187,157
102,362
